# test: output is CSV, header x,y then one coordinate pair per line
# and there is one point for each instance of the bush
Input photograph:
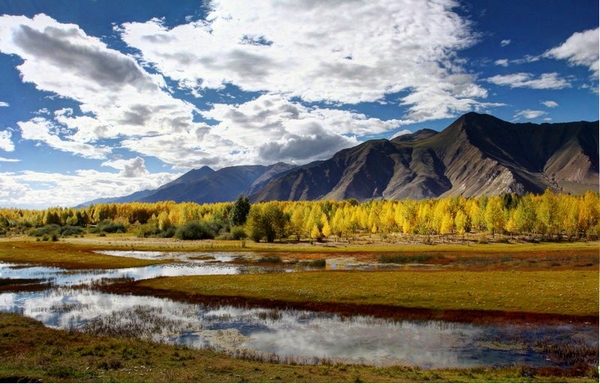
x,y
70,230
45,231
270,260
238,233
109,226
195,230
319,263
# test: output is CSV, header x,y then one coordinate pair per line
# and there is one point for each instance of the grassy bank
x,y
78,252
64,255
567,292
32,352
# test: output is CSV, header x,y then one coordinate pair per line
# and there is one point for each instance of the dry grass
x,y
64,255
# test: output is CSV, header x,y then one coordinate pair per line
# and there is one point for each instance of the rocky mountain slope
x,y
477,154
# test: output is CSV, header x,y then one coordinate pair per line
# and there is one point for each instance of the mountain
x,y
189,177
206,186
476,155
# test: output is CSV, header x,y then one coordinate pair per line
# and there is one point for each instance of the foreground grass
x,y
31,352
64,255
566,292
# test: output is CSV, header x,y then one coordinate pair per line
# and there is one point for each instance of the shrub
x,y
319,263
406,259
70,230
195,230
109,226
270,260
238,233
45,231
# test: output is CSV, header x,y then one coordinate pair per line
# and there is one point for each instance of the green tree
x,y
239,211
267,222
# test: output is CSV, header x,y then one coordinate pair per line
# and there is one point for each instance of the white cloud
x,y
550,103
401,133
529,114
39,190
504,43
6,143
5,160
117,97
44,130
579,49
528,80
4,104
308,50
501,62
264,130
272,128
135,167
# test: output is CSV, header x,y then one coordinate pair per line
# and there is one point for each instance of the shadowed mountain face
x,y
476,155
226,184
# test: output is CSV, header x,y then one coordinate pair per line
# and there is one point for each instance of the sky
x,y
103,98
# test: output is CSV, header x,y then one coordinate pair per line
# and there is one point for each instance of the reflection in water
x,y
289,335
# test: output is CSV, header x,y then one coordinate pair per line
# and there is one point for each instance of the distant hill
x,y
206,185
476,155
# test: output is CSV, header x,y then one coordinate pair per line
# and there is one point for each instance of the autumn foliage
x,y
548,215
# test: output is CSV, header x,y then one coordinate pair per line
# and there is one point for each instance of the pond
x,y
287,335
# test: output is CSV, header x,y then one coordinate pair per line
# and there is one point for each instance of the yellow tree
x,y
494,214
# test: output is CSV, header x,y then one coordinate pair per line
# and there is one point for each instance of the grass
x,y
64,255
32,352
564,292
117,240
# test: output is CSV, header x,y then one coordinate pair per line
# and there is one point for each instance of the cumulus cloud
x,y
550,103
45,131
4,104
579,49
529,114
306,50
117,97
6,143
528,80
31,189
504,43
501,62
272,128
242,131
135,167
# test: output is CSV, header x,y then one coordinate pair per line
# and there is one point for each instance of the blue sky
x,y
104,98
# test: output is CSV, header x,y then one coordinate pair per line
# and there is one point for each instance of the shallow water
x,y
284,335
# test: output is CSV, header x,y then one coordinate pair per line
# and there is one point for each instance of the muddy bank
x,y
383,311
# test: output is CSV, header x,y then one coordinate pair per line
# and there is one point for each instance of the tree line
x,y
545,215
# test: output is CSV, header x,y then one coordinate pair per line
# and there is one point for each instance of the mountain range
x,y
476,155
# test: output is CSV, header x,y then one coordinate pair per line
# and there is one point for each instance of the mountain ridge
x,y
477,154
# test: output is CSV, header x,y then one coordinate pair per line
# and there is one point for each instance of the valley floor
x,y
461,281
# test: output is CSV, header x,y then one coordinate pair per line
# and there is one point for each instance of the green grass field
x,y
564,292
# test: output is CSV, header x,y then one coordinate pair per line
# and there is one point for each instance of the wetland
x,y
429,313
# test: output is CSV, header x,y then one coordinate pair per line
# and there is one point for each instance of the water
x,y
286,335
